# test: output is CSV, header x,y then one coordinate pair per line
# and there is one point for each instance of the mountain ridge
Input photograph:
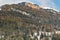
x,y
20,20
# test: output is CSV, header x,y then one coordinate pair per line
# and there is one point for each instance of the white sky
x,y
2,2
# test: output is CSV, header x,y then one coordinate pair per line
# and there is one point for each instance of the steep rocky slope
x,y
26,17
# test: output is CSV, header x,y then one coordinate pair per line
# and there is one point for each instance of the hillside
x,y
17,20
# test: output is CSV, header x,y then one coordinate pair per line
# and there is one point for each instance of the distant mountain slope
x,y
23,17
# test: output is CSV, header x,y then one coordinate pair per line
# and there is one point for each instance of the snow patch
x,y
50,8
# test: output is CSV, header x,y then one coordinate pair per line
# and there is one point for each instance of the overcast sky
x,y
44,3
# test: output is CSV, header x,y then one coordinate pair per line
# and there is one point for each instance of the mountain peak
x,y
34,6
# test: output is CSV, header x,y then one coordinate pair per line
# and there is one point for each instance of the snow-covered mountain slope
x,y
50,8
